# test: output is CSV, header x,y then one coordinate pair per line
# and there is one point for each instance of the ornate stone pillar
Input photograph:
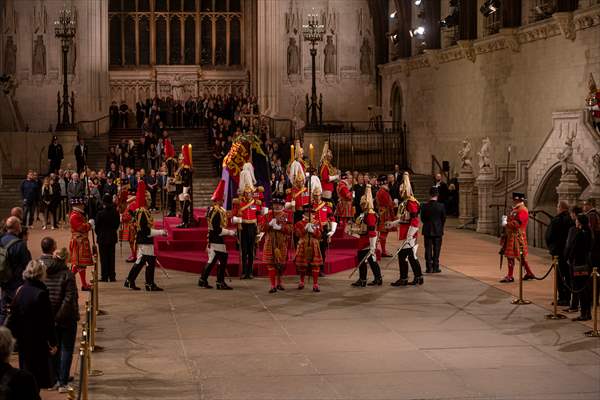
x,y
568,189
466,182
485,186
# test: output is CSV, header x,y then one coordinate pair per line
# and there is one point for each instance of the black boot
x,y
223,286
131,285
152,287
359,283
204,283
400,282
417,281
273,290
376,282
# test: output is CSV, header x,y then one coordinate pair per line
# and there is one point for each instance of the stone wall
x,y
504,86
348,87
27,22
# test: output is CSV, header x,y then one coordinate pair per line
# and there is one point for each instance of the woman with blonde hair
x,y
45,205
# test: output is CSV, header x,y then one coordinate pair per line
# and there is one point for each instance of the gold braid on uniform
x,y
214,210
138,217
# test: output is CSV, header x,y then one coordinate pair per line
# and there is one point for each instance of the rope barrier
x,y
571,289
546,274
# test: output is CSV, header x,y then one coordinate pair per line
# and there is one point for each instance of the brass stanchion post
x,y
520,300
594,332
555,314
83,354
89,336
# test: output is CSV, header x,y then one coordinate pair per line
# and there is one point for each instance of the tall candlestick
x,y
292,155
311,150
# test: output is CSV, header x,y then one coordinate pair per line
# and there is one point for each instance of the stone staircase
x,y
421,185
10,193
97,149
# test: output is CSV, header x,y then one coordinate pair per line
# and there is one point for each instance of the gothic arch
x,y
545,196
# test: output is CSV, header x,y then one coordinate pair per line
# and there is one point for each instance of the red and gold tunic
x,y
79,246
299,195
325,184
308,251
247,210
368,224
408,213
385,205
275,249
324,214
344,207
515,240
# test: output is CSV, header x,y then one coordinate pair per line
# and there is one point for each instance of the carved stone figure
x,y
565,156
330,54
40,18
465,155
596,160
485,162
10,57
9,18
293,57
39,56
365,57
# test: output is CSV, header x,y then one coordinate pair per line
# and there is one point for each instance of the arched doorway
x,y
396,105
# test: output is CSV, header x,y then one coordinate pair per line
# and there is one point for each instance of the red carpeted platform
x,y
185,250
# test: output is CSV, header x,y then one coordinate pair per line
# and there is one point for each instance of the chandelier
x,y
313,30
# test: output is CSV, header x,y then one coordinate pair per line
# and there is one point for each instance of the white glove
x,y
293,202
310,228
288,205
265,210
227,232
372,245
92,222
157,232
259,236
276,227
236,220
306,174
392,224
396,202
504,220
334,178
333,229
273,222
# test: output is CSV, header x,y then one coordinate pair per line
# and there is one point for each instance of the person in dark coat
x,y
81,155
31,322
433,217
577,253
18,258
107,225
556,239
65,308
29,195
442,188
55,155
17,384
574,211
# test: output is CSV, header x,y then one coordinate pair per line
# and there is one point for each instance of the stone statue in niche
x,y
365,57
39,56
293,57
9,18
465,156
330,54
71,58
40,18
485,162
10,57
596,161
565,156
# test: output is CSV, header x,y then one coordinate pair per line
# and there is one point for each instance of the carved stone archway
x,y
585,145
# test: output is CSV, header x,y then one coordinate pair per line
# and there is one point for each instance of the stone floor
x,y
456,337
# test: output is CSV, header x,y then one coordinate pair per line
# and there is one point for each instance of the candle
x,y
292,155
311,150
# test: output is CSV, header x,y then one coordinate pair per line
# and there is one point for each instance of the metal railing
x,y
94,126
367,145
436,164
537,227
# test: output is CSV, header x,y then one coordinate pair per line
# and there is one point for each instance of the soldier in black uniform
x,y
145,244
217,228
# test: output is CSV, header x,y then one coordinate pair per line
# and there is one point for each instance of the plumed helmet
x,y
406,187
219,193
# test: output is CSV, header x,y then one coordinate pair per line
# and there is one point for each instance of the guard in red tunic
x,y
308,250
216,217
128,226
245,213
344,210
326,219
514,239
365,229
297,197
278,230
327,174
408,220
386,206
170,156
79,246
